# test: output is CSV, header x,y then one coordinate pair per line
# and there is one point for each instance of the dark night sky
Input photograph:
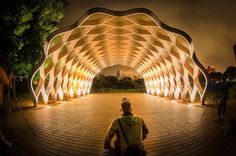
x,y
210,23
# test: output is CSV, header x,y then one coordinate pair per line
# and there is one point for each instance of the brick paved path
x,y
78,127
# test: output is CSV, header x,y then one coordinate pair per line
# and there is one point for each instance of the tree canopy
x,y
24,27
112,82
220,80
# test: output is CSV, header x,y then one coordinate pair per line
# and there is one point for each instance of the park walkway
x,y
78,127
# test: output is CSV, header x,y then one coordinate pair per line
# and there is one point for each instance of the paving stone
x,y
79,126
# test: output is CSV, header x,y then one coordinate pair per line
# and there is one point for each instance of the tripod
x,y
8,102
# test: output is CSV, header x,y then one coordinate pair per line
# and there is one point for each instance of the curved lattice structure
x,y
164,56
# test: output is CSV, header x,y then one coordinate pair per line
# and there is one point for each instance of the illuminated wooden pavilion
x,y
101,38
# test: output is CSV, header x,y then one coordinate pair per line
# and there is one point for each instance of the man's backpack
x,y
132,150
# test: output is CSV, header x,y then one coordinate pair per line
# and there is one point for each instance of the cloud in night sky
x,y
211,24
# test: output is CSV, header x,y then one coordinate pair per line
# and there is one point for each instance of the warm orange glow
x,y
101,40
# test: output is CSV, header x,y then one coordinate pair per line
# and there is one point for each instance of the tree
x,y
112,81
24,27
230,73
140,82
127,83
216,77
230,77
100,82
221,84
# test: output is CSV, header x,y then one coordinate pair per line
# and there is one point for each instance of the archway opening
x,y
118,78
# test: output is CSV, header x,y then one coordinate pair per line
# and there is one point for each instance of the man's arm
x,y
111,132
144,129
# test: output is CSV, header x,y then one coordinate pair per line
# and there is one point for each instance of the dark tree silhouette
x,y
25,25
101,83
140,83
112,81
215,76
230,73
127,83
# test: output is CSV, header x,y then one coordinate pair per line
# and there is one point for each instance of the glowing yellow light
x,y
78,92
71,92
165,62
60,94
152,91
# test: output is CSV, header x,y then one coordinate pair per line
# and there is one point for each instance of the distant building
x,y
211,69
118,74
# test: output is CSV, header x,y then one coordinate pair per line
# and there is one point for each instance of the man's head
x,y
126,105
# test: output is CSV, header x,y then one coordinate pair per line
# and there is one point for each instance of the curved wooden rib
x,y
163,55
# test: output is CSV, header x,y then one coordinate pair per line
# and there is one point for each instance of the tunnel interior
x,y
74,55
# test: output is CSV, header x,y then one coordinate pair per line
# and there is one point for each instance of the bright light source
x,y
166,61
